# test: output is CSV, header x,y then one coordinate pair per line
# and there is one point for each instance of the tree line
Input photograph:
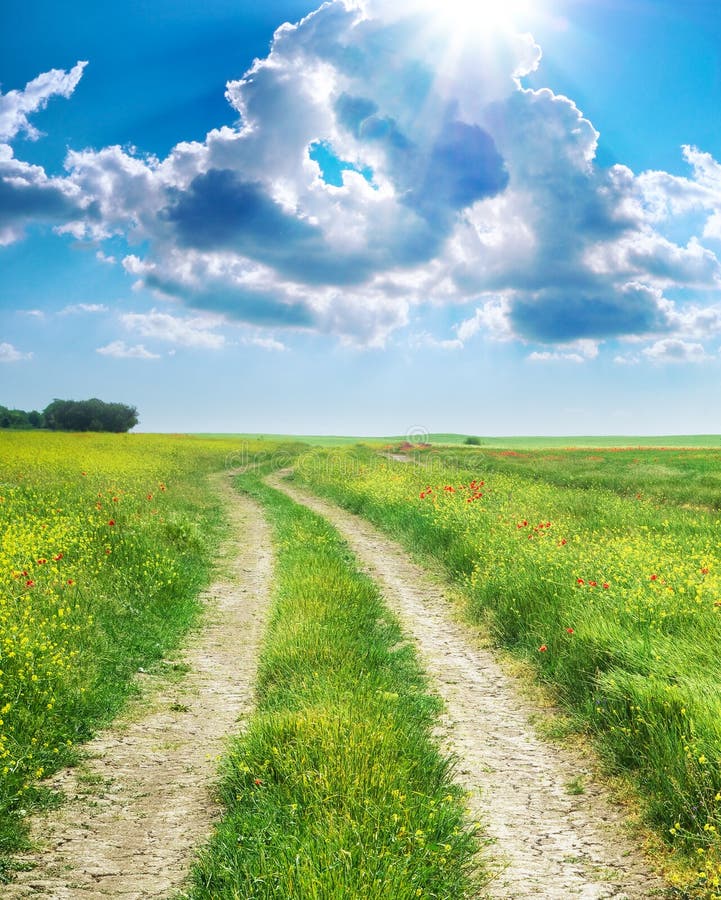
x,y
73,415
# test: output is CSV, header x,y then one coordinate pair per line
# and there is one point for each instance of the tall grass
x,y
105,542
336,789
616,600
669,475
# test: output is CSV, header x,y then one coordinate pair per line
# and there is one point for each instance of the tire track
x,y
547,843
142,801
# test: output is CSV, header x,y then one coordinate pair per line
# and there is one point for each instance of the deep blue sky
x,y
646,74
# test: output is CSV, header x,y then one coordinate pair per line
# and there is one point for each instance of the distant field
x,y
519,443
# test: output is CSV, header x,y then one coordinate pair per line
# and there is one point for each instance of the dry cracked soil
x,y
142,800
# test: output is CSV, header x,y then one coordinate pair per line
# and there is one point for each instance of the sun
x,y
482,15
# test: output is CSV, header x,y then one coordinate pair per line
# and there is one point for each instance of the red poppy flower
x,y
257,781
704,571
111,522
580,581
542,648
569,630
654,577
29,583
593,583
606,585
58,556
70,581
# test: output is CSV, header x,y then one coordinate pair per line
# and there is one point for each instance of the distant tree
x,y
19,419
473,441
13,418
89,415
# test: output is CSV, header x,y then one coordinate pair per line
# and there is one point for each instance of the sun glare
x,y
490,15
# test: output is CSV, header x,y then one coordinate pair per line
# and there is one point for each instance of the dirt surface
x,y
548,840
141,803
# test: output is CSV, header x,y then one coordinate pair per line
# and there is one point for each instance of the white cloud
x,y
10,354
426,340
555,356
266,343
491,320
673,350
28,195
477,192
185,332
121,350
576,352
79,308
16,106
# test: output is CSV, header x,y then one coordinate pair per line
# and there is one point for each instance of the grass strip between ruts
x,y
336,789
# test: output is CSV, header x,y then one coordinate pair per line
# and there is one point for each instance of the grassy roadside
x,y
614,600
105,542
336,790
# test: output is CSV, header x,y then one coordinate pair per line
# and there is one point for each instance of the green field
x,y
512,443
604,571
599,565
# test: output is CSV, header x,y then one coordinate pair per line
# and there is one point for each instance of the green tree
x,y
90,415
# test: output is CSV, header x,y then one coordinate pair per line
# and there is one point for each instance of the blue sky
x,y
407,215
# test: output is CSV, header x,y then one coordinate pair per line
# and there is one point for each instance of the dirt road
x,y
142,801
548,842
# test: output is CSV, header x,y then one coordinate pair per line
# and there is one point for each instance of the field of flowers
x,y
104,543
616,599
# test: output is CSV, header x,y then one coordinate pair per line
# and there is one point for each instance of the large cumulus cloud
x,y
458,185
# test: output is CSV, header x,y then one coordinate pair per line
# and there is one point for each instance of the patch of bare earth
x,y
547,840
142,801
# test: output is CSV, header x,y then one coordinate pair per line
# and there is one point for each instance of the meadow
x,y
105,542
603,568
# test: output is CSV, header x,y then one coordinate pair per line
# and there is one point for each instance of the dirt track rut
x,y
142,801
547,842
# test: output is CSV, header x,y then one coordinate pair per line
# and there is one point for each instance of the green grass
x,y
614,595
105,542
336,790
668,476
528,442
